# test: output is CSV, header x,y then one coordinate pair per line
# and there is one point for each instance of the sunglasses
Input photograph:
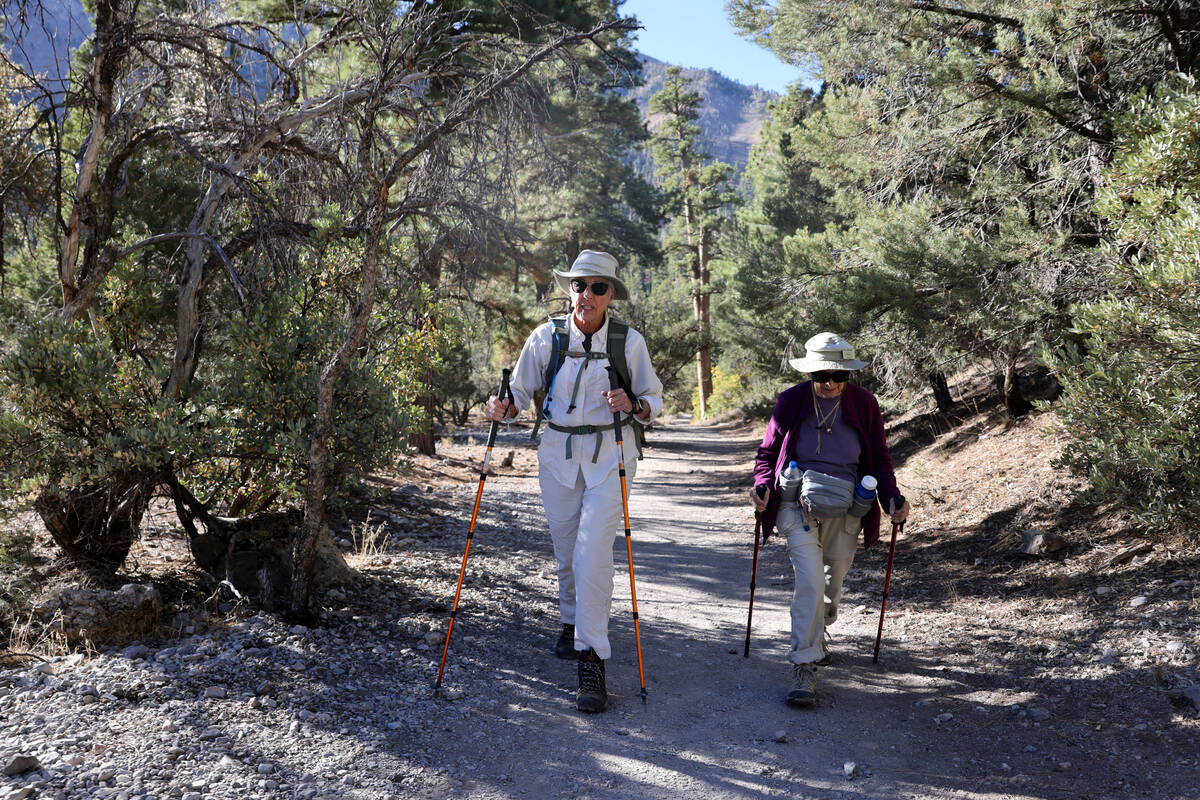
x,y
579,286
839,376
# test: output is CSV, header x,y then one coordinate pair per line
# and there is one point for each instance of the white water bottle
x,y
789,482
864,496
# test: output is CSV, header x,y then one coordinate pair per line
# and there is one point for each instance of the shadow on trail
x,y
697,679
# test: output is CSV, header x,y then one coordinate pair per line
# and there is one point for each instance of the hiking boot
x,y
826,653
592,697
565,646
803,692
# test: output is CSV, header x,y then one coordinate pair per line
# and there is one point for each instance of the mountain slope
x,y
731,114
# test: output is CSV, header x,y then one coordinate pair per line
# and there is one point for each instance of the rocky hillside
x,y
732,113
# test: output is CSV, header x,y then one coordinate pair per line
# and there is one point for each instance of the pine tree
x,y
701,195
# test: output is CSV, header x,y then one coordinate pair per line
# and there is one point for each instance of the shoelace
x,y
591,676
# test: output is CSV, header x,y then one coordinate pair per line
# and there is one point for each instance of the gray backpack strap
x,y
618,332
558,354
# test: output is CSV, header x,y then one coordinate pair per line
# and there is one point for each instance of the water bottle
x,y
864,496
789,483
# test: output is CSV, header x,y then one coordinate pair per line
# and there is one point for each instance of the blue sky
x,y
697,33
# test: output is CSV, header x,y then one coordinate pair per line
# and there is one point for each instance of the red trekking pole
x,y
896,527
761,490
483,471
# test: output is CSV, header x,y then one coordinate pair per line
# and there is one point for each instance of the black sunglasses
x,y
839,376
579,286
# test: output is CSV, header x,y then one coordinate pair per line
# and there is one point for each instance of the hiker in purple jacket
x,y
834,431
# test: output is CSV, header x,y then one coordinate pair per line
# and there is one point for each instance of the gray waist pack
x,y
824,495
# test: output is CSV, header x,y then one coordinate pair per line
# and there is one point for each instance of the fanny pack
x,y
824,495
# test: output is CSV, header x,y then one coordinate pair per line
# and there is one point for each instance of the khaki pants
x,y
821,557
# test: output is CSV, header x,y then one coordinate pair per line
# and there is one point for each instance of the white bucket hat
x,y
827,352
593,264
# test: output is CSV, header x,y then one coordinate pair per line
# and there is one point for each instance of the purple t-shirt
x,y
839,443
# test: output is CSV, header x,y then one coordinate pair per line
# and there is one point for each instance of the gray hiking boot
x,y
592,697
565,646
803,691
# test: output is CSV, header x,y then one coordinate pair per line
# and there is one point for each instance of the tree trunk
x,y
1014,401
573,247
103,77
941,391
307,537
695,240
701,299
96,523
423,441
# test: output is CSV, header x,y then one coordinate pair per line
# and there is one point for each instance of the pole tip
x,y
643,696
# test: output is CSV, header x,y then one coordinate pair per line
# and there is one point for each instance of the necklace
x,y
824,420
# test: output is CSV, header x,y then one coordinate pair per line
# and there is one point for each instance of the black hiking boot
x,y
592,697
565,646
803,691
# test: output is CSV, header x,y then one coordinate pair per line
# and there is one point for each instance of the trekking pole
x,y
483,471
896,527
616,383
761,490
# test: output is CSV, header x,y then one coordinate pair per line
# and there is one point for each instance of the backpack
x,y
617,331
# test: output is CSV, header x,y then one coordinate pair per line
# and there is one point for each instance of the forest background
x,y
254,250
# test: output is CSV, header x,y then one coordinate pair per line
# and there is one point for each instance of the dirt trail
x,y
1001,677
915,725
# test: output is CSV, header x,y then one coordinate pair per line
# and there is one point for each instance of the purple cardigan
x,y
860,410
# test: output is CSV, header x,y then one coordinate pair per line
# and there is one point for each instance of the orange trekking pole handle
x,y
896,526
753,570
637,633
483,471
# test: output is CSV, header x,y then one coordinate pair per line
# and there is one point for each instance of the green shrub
x,y
1132,385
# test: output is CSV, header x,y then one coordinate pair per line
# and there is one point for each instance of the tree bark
x,y
305,546
1014,401
95,523
105,63
703,322
423,441
941,392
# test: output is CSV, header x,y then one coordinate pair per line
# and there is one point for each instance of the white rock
x,y
944,717
849,769
1176,646
1139,601
781,736
1103,590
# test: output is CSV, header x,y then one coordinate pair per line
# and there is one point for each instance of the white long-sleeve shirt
x,y
591,408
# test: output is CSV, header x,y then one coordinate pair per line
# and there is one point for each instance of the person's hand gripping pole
x,y
616,383
760,490
505,393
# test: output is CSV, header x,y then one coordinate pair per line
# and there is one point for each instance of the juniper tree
x,y
241,253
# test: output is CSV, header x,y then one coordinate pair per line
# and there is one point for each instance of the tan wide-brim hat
x,y
827,352
593,264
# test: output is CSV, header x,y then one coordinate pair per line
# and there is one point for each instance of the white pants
x,y
820,558
583,523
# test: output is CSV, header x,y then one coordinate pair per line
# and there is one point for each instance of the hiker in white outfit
x,y
578,455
